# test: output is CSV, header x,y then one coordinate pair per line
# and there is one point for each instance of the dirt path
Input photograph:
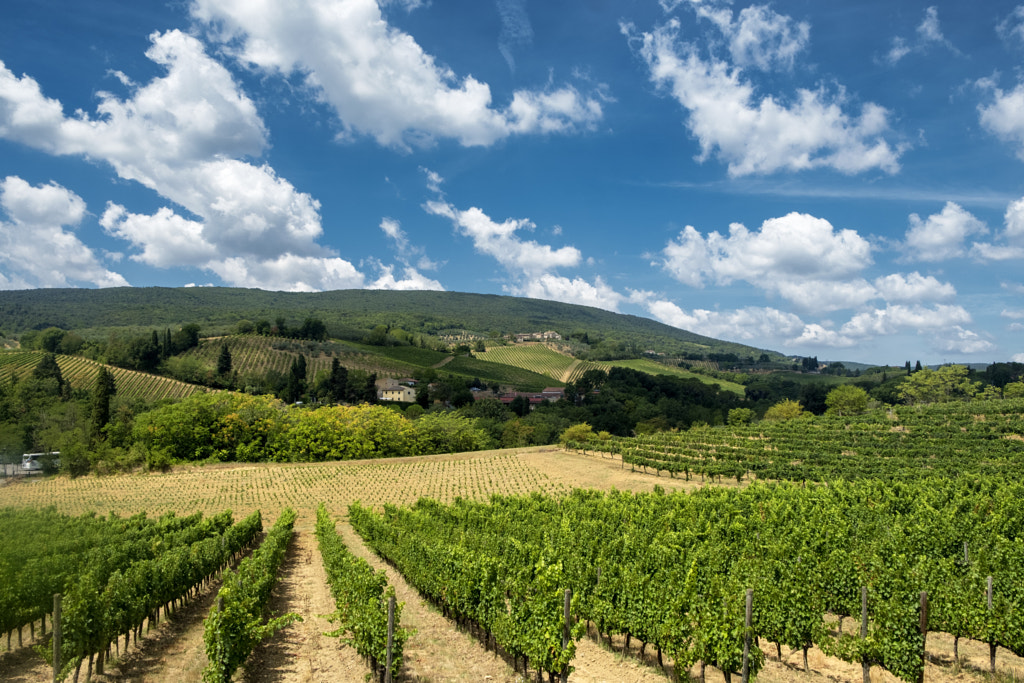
x,y
174,651
23,665
302,653
437,651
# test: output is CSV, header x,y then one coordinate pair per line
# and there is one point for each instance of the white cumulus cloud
x,y
801,257
502,241
532,266
1010,240
760,134
1003,114
942,235
752,324
35,249
411,280
378,79
183,135
759,36
913,288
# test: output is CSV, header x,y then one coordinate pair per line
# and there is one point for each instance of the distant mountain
x,y
348,314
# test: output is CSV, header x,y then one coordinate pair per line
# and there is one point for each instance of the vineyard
x,y
260,355
905,560
533,357
671,570
81,373
981,437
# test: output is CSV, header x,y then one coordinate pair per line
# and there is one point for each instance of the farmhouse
x,y
401,393
550,335
390,389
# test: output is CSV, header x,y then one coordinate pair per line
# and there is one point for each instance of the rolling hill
x,y
348,314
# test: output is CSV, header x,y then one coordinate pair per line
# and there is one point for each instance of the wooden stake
x,y
991,645
864,629
924,633
746,634
567,626
391,638
56,636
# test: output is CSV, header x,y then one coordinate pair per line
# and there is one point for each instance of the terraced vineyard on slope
x,y
259,355
81,373
535,357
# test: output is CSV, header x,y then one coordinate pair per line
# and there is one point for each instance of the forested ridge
x,y
348,314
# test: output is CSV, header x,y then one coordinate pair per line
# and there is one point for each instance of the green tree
x,y
786,409
579,433
846,399
520,405
948,383
49,339
47,369
740,416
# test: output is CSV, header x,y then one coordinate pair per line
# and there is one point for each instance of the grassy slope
x,y
654,368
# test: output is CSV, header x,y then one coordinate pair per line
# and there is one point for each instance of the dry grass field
x,y
438,651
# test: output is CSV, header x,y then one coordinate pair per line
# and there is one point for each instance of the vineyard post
x,y
924,633
864,631
566,628
992,639
56,636
746,634
967,559
391,638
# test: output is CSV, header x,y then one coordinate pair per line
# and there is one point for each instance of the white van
x,y
33,462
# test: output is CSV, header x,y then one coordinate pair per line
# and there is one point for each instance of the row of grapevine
x,y
671,570
43,552
235,624
362,597
116,598
511,591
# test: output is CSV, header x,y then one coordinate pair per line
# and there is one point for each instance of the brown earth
x,y
438,650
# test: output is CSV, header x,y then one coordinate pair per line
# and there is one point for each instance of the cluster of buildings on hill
x,y
404,391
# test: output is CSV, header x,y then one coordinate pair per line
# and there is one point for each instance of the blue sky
x,y
833,179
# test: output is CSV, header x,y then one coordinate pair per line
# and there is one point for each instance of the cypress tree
x,y
224,360
337,385
101,393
